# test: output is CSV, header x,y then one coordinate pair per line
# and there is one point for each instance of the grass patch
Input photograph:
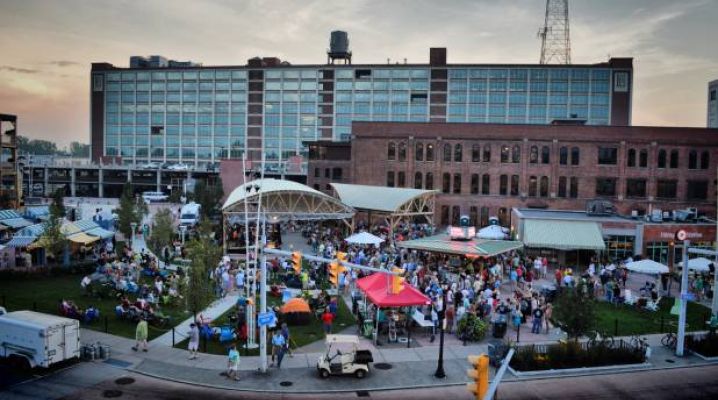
x,y
42,292
632,321
301,335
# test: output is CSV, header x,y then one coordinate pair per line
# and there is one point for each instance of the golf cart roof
x,y
352,339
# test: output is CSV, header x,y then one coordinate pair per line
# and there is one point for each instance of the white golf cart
x,y
342,357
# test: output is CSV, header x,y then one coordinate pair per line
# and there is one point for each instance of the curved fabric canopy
x,y
381,198
285,200
364,238
295,305
494,232
377,288
700,264
647,267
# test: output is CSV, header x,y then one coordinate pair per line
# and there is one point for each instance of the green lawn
x,y
43,292
301,334
631,321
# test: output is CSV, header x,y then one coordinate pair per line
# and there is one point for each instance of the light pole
x,y
133,226
442,314
183,229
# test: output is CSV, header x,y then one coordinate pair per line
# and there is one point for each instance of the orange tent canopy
x,y
296,305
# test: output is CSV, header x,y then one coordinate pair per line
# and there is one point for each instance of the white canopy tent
x,y
492,232
647,267
699,264
364,238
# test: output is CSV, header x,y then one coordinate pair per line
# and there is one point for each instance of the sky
x,y
47,46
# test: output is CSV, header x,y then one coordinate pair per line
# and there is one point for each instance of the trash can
x,y
500,329
104,351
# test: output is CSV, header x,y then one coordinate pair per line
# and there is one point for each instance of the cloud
x,y
63,63
18,70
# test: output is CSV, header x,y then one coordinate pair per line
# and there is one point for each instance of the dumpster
x,y
500,329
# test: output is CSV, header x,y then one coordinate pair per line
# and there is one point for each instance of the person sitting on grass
x,y
91,314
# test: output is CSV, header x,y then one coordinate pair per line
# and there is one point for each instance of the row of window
x,y
539,186
475,219
606,155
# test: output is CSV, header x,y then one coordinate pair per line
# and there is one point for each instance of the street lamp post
x,y
183,229
133,226
442,314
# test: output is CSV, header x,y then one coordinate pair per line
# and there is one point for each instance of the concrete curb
x,y
704,358
249,390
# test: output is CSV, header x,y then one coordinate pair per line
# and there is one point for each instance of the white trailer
x,y
38,340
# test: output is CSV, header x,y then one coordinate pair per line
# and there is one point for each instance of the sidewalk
x,y
409,368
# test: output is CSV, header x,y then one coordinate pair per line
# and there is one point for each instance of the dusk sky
x,y
48,45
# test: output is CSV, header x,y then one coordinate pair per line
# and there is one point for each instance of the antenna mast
x,y
555,38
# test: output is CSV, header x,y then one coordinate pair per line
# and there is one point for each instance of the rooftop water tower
x,y
339,48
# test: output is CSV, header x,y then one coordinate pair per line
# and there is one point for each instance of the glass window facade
x,y
196,114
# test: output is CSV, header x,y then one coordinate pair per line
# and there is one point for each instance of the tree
x,y
53,238
129,211
36,146
575,311
208,196
162,230
204,255
78,149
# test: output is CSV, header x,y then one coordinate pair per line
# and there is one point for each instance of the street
x,y
679,383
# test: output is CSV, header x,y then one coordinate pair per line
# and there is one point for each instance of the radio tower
x,y
555,39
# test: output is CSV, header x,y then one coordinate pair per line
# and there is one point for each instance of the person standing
x,y
233,363
278,344
141,335
547,313
537,315
193,341
327,320
287,338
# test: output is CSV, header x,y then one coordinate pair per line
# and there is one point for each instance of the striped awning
x,y
83,238
20,241
9,214
15,223
100,232
563,235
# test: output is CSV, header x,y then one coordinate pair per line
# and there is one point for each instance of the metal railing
x,y
499,375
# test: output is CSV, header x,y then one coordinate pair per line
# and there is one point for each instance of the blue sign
x,y
688,296
267,318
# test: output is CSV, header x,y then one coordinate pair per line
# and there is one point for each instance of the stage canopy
x,y
377,288
284,200
470,248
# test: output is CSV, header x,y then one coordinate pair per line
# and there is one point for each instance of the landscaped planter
x,y
569,358
704,346
580,371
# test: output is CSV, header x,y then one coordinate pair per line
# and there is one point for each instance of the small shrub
x,y
573,354
471,328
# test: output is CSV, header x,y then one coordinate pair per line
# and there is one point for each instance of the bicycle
x,y
670,340
639,342
596,338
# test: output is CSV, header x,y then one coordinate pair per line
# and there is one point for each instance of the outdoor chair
x,y
628,298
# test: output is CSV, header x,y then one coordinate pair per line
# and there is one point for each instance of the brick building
x,y
486,170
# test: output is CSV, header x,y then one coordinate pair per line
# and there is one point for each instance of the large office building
x,y
167,111
713,104
9,179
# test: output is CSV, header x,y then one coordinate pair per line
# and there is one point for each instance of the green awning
x,y
563,235
472,248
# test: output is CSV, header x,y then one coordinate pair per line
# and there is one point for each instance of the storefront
x,y
660,246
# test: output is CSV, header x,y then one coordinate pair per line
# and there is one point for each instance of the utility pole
x,y
554,35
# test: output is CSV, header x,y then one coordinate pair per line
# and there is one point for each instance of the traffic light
x,y
334,273
397,282
341,256
480,374
297,262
